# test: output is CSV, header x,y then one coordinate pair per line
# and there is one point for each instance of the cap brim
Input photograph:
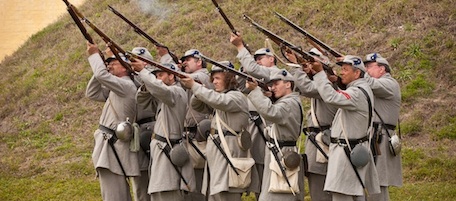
x,y
368,61
110,59
343,62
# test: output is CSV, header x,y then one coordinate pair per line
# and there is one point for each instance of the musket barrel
x,y
309,36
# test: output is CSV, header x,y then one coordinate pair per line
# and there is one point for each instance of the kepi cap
x,y
191,53
372,57
262,51
142,51
168,65
113,57
354,61
316,52
215,69
376,57
282,74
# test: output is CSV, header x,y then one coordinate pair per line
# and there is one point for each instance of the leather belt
x,y
387,126
315,129
145,120
163,139
226,133
283,143
191,129
352,142
106,129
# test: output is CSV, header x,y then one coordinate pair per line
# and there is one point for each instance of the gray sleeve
x,y
382,87
251,67
157,88
305,85
222,101
115,84
95,91
270,112
345,99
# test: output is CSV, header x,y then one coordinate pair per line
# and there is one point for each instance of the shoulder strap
x,y
383,123
370,106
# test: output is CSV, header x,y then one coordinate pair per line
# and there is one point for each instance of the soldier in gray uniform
x,y
113,85
347,179
146,106
166,178
263,63
387,106
286,118
319,119
196,69
231,105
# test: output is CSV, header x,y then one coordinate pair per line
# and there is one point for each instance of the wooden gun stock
x,y
228,22
116,49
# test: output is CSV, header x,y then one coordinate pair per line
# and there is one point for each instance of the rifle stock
x,y
312,39
228,22
282,42
261,84
156,64
116,49
76,16
142,33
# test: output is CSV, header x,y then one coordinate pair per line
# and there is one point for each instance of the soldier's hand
x,y
108,52
92,48
339,59
251,84
332,78
187,82
138,65
162,50
317,66
307,68
236,40
291,57
267,94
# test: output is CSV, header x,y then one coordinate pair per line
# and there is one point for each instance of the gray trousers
x,y
114,187
225,196
176,195
383,196
316,185
197,195
140,185
343,197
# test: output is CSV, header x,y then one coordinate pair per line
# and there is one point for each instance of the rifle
x,y
111,44
227,21
156,64
261,84
312,39
303,56
75,15
144,34
72,11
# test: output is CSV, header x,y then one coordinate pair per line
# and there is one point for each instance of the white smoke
x,y
154,7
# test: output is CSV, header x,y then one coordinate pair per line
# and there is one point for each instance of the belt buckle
x,y
339,142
